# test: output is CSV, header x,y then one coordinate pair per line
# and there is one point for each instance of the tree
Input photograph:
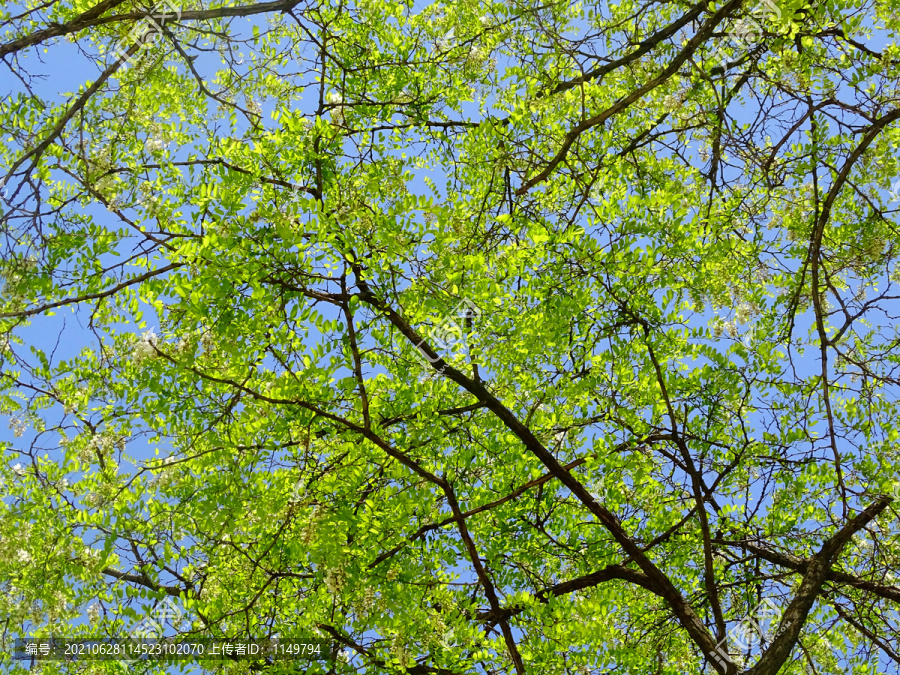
x,y
476,338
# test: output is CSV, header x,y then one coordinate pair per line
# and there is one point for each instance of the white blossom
x,y
18,470
254,107
153,144
102,443
85,453
444,42
18,426
144,350
671,103
334,98
106,183
23,556
93,612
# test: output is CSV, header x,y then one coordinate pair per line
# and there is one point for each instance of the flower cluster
x,y
93,499
254,107
312,526
673,102
90,557
398,647
743,312
335,579
153,145
144,349
100,443
721,326
208,343
444,42
367,601
106,184
337,114
18,426
149,200
167,475
182,346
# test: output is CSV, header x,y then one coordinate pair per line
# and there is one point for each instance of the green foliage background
x,y
677,398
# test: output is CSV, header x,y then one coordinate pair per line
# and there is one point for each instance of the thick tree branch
x,y
608,573
93,296
485,579
92,18
624,102
817,571
688,618
801,566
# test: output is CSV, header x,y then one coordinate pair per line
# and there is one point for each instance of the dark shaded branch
x,y
93,296
93,18
682,609
485,580
82,21
608,573
801,566
145,581
816,574
626,101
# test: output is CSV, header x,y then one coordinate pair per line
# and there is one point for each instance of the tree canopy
x,y
477,337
